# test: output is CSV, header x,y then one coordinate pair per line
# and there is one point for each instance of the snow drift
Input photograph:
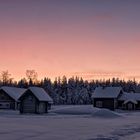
x,y
86,110
75,110
105,113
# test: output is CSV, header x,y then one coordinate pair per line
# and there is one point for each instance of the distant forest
x,y
73,90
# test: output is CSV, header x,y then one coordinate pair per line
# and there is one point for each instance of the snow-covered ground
x,y
71,123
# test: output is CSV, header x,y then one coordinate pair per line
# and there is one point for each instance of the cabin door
x,y
42,107
130,106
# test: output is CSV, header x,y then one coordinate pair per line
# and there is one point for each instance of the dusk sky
x,y
89,38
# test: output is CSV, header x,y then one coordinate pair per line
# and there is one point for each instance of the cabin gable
x,y
4,96
6,102
31,104
28,103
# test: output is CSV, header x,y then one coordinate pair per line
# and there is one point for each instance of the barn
x,y
35,100
9,97
129,101
106,97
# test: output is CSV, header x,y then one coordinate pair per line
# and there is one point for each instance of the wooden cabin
x,y
35,100
9,97
106,97
129,101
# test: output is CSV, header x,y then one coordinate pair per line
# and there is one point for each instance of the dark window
x,y
2,97
99,104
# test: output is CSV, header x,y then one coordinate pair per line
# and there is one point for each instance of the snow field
x,y
65,126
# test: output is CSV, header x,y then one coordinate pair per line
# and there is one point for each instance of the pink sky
x,y
93,40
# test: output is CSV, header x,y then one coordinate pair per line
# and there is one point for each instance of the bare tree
x,y
6,77
31,76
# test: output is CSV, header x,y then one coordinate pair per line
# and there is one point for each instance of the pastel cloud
x,y
99,75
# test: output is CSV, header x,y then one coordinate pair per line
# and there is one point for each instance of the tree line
x,y
65,90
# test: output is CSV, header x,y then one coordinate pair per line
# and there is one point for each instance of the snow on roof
x,y
130,96
13,92
41,94
131,100
106,92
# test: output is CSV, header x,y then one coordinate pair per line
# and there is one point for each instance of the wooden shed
x,y
9,97
35,100
106,97
129,101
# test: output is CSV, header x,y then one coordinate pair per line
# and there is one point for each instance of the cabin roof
x,y
13,92
130,96
41,94
106,92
